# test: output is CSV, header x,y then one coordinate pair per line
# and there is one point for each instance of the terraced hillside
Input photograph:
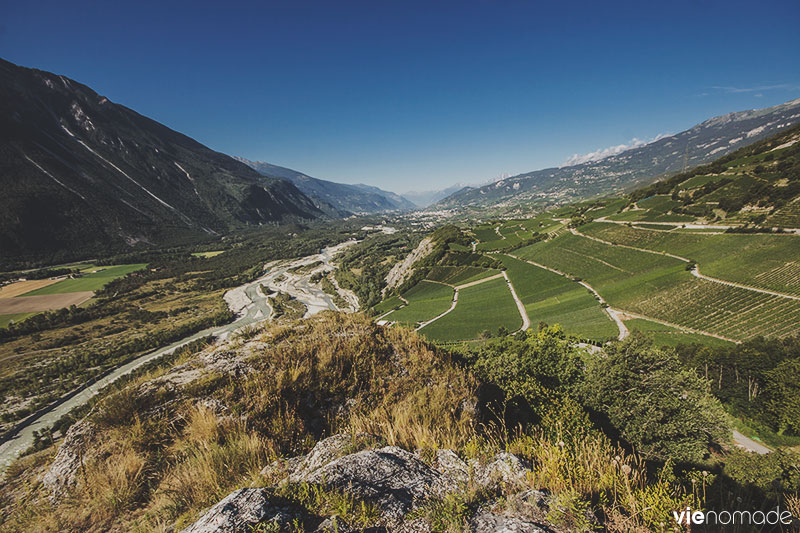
x,y
758,184
484,307
772,261
690,258
660,287
699,145
554,299
426,300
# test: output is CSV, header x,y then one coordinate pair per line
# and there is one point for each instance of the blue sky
x,y
417,95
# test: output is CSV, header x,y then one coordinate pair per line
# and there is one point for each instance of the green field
x,y
609,207
486,234
458,275
664,335
554,299
208,254
659,203
764,261
5,320
387,305
483,307
513,232
698,181
660,287
91,281
426,300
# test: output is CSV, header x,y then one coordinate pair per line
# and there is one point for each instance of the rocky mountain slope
x,y
79,172
701,144
343,198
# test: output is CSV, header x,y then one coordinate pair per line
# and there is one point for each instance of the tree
x,y
540,367
781,397
656,404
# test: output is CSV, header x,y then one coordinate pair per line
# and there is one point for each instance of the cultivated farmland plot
x,y
660,287
458,275
554,299
426,300
483,307
764,261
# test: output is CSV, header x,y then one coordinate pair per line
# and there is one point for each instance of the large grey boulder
x,y
391,478
504,470
74,450
296,469
240,512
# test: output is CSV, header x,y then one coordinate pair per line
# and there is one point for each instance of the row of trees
x,y
758,379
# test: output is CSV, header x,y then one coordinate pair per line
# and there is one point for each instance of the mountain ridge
x,y
341,197
702,143
83,173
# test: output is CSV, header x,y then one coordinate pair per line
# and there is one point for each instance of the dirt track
x,y
44,302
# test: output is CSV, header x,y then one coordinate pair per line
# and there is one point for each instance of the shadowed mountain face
x,y
701,144
340,197
81,173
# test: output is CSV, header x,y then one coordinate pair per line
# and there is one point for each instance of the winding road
x,y
248,302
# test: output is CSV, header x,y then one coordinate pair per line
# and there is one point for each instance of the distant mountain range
x,y
426,198
701,144
81,173
336,198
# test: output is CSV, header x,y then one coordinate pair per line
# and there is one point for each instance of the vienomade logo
x,y
725,518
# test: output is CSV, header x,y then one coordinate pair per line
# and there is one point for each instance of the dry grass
x,y
589,470
19,288
165,455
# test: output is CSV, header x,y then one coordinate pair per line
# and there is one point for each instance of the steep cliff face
x,y
404,269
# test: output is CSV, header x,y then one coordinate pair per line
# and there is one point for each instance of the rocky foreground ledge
x,y
399,484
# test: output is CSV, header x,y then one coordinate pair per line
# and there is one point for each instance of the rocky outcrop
x,y
488,522
396,482
502,471
63,471
241,511
390,478
403,270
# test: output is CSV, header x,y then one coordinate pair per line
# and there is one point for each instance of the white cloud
x,y
602,153
756,89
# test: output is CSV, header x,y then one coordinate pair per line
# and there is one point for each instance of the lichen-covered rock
x,y
391,478
395,481
503,470
240,512
488,522
75,448
454,472
324,452
327,450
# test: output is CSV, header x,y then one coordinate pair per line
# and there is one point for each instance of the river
x,y
251,306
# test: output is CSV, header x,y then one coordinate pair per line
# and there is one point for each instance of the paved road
x,y
526,322
249,303
749,444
